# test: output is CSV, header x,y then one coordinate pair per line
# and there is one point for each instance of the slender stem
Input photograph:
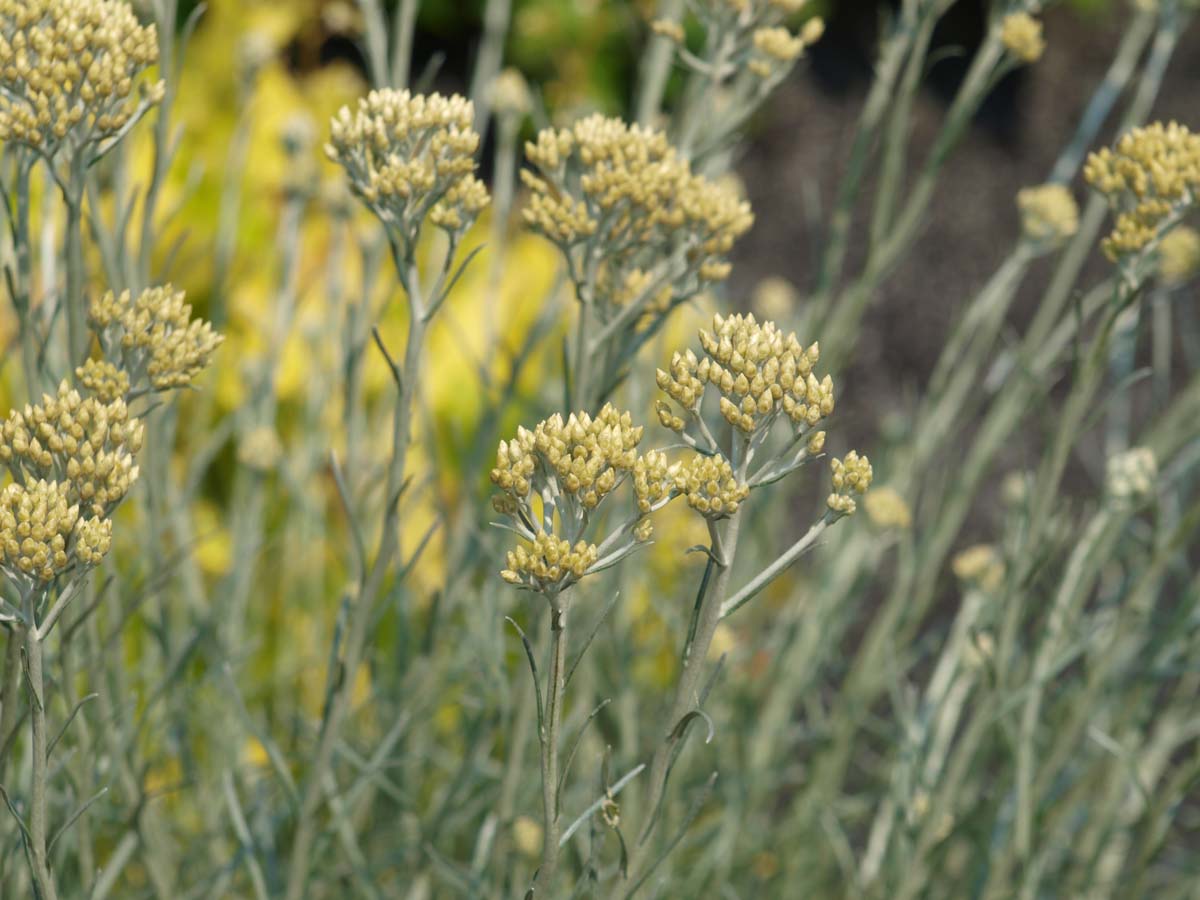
x,y
777,568
496,17
402,42
656,67
8,693
314,792
39,860
687,696
550,735
77,333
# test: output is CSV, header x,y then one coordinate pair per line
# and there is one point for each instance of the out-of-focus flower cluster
x,y
411,157
1021,35
1132,474
851,475
71,460
1179,255
1151,177
153,335
68,70
981,565
622,195
569,467
1049,214
758,372
753,31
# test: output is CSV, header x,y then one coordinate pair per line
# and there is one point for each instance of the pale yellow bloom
x,y
1049,214
981,564
1021,34
1179,255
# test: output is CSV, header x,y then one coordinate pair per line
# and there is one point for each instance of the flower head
x,y
1179,255
154,335
1132,474
1151,177
980,564
760,373
1021,35
549,563
86,443
68,70
411,157
626,191
710,486
1049,214
851,475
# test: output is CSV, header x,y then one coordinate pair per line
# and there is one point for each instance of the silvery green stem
x,y
402,42
8,692
38,851
656,67
371,582
78,336
687,691
777,568
496,15
550,738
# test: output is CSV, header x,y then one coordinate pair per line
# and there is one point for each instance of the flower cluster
x,y
85,443
41,529
754,32
103,379
154,336
1021,35
979,564
776,48
568,467
1179,255
1151,177
625,191
1049,214
759,372
549,563
1132,474
710,486
851,475
68,69
411,157
71,462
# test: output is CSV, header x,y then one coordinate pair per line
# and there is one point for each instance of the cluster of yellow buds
x,y
776,48
550,564
409,157
1021,35
153,335
68,70
626,191
1152,177
1179,255
103,379
850,475
39,525
585,455
572,464
759,372
86,443
754,32
710,486
1049,214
